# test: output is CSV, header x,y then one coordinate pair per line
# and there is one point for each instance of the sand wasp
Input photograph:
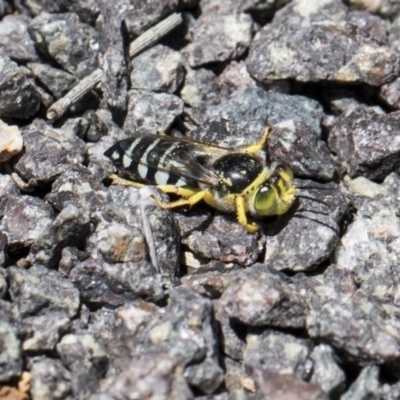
x,y
233,180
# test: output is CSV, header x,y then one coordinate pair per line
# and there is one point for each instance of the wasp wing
x,y
180,157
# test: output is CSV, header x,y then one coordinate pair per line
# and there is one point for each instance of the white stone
x,y
10,141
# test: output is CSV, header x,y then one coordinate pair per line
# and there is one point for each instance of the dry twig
x,y
147,39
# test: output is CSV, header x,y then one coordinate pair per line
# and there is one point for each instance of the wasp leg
x,y
117,180
260,145
242,217
193,196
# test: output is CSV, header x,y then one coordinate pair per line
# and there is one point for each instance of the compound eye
x,y
265,201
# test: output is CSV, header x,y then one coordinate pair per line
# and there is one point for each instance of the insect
x,y
233,180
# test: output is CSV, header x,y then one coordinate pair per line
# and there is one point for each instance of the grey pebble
x,y
158,69
48,154
323,42
24,219
18,97
15,41
364,140
218,37
276,302
149,113
39,290
50,380
67,41
55,80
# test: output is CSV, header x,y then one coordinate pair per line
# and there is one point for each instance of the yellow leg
x,y
116,180
242,217
260,145
193,197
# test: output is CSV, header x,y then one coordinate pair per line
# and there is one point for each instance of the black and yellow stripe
x,y
147,159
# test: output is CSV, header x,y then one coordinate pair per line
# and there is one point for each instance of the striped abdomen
x,y
150,160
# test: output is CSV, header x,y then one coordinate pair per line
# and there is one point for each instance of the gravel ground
x,y
105,296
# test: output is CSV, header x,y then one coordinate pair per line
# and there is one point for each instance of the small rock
x,y
305,237
367,142
18,97
252,109
200,88
70,43
47,330
137,209
218,38
390,93
39,290
10,141
77,186
159,376
10,356
143,15
321,42
226,241
375,230
270,385
366,386
257,298
326,372
15,41
56,81
70,228
277,352
24,219
87,361
158,69
360,327
295,144
149,113
50,380
48,154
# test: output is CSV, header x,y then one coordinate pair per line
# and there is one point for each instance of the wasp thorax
x,y
276,195
237,170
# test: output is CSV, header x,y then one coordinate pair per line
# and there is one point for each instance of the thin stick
x,y
148,234
147,39
79,90
154,34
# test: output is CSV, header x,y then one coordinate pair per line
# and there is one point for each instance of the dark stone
x,y
87,360
49,154
256,297
18,97
46,331
218,38
70,228
323,42
142,15
67,41
315,218
115,75
149,113
24,218
79,187
56,81
365,141
39,290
